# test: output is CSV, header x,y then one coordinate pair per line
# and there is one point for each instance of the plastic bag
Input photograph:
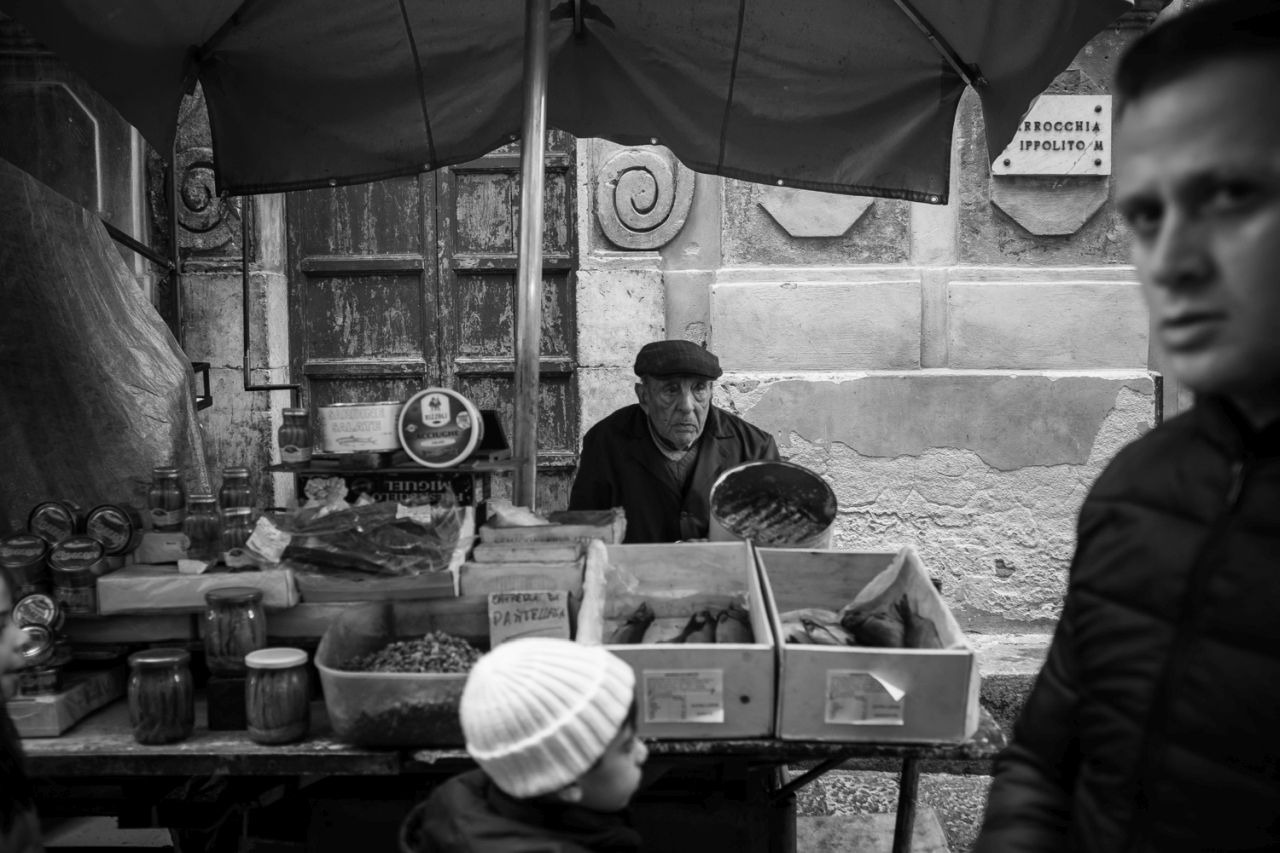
x,y
382,538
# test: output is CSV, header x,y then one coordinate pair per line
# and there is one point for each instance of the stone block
x,y
1046,325
867,833
750,235
786,326
603,390
619,311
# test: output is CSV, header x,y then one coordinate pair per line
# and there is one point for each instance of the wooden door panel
x,y
488,207
486,316
348,317
365,219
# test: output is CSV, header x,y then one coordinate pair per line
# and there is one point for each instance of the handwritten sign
x,y
543,613
1060,135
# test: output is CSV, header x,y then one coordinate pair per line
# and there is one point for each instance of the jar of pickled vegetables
x,y
294,437
277,695
235,624
203,528
237,526
167,499
162,705
235,490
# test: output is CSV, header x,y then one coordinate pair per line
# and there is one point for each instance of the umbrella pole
x,y
529,257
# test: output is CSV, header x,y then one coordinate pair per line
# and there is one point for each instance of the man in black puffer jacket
x,y
1155,722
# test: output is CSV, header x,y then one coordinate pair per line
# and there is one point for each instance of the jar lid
x,y
279,658
75,553
293,411
160,657
237,510
201,498
164,472
37,645
36,609
233,594
21,549
235,472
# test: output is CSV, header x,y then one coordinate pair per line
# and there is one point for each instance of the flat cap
x,y
677,358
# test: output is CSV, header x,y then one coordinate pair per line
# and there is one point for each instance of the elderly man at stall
x,y
659,457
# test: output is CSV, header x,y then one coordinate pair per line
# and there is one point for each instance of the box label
x,y
683,696
541,613
861,698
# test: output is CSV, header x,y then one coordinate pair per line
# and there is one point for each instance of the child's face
x,y
609,785
11,638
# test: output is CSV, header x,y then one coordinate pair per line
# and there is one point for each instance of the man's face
x,y
1198,180
676,405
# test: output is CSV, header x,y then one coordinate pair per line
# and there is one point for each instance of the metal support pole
x,y
529,268
904,824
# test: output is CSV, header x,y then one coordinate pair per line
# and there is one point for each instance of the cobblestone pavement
x,y
957,800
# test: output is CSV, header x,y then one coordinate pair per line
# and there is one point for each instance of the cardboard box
x,y
608,525
143,588
699,690
83,693
863,694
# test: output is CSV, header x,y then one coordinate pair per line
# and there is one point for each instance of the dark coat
x,y
19,825
1155,722
621,466
469,814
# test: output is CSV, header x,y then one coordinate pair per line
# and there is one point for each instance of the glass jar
x,y
294,437
237,525
167,500
23,554
234,625
277,695
235,490
203,528
162,699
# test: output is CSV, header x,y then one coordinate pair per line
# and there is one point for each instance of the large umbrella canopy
x,y
853,96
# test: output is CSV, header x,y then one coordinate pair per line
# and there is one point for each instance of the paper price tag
x,y
683,696
861,698
268,540
542,613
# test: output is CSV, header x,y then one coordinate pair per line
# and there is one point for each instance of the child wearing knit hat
x,y
551,724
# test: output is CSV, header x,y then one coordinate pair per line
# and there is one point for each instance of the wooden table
x,y
102,746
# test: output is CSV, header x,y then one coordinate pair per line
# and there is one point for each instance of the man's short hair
x,y
1212,31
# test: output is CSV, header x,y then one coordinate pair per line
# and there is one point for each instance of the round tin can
x,y
38,609
439,427
54,521
117,527
39,680
23,554
75,565
355,427
37,647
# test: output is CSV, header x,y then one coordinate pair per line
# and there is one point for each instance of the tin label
x,y
110,526
22,549
291,454
52,523
81,600
38,609
170,519
684,696
76,553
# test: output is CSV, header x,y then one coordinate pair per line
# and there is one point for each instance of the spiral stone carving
x,y
208,222
643,196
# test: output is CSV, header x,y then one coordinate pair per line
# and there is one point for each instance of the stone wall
x,y
959,374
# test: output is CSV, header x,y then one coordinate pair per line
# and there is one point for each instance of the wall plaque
x,y
1061,135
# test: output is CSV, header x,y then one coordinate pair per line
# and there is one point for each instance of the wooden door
x,y
408,283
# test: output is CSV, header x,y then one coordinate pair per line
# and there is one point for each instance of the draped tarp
x,y
94,390
848,96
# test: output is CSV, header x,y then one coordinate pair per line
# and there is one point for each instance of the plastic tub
x,y
396,709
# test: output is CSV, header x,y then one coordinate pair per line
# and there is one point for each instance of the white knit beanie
x,y
539,712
